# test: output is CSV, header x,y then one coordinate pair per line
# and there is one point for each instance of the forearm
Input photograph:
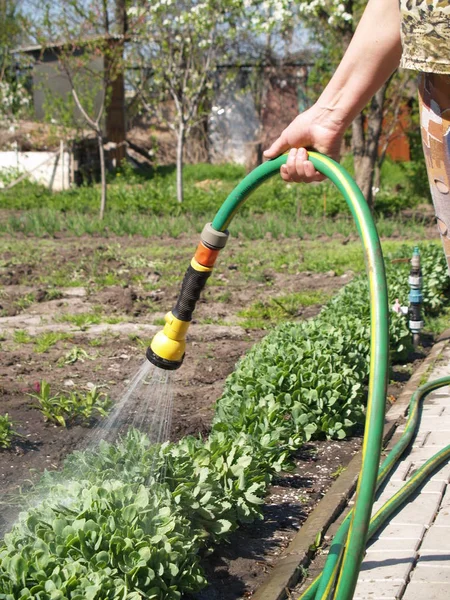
x,y
372,56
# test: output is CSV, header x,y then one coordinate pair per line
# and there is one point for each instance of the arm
x,y
372,56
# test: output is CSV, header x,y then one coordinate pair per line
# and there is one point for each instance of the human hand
x,y
315,128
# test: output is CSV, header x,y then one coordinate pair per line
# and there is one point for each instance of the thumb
x,y
278,147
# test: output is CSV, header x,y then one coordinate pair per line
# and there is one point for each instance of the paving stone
x,y
432,486
446,499
437,539
440,397
396,531
378,566
434,560
430,574
438,438
401,471
433,410
434,423
420,511
379,590
393,545
442,473
426,591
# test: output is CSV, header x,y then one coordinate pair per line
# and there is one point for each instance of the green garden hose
x,y
379,346
339,578
320,588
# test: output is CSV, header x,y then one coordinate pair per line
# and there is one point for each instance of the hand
x,y
316,128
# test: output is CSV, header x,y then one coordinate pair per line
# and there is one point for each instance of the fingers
x,y
278,147
298,168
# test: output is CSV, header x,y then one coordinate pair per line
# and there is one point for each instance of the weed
x,y
223,297
338,472
84,320
439,323
53,294
159,321
212,321
24,301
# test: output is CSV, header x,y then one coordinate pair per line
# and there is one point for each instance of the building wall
x,y
51,81
47,168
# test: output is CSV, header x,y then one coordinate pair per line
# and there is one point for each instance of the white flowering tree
x,y
179,49
333,23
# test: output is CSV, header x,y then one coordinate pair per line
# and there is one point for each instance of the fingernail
x,y
293,152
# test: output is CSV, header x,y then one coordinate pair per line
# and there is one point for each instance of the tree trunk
x,y
366,131
180,148
101,153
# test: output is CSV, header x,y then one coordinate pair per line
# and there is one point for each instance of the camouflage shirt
x,y
426,35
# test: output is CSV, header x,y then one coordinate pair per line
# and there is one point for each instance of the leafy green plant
x,y
74,355
6,431
62,409
44,341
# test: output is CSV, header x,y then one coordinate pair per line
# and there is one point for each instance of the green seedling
x,y
74,355
133,337
264,313
45,341
6,431
24,301
63,410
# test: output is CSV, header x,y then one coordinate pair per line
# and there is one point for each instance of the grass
x,y
42,342
266,313
146,204
84,320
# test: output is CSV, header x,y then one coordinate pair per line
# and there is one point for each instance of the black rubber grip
x,y
193,283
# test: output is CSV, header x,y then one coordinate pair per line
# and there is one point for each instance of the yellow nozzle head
x,y
168,346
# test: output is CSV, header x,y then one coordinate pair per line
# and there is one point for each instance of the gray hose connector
x,y
214,239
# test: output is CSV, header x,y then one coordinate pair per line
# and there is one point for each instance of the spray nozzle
x,y
168,346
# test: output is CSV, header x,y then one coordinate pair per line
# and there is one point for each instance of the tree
x,y
186,41
91,58
333,23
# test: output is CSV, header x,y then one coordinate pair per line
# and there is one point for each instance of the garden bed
x,y
106,314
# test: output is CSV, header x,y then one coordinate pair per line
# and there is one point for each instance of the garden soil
x,y
115,351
